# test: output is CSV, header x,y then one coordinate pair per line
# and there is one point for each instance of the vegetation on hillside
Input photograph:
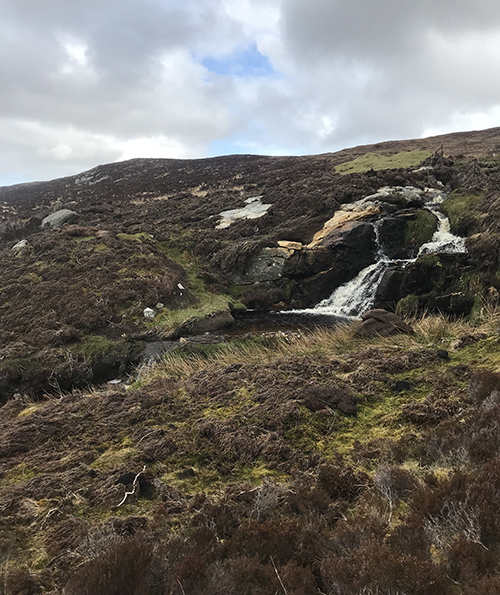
x,y
317,463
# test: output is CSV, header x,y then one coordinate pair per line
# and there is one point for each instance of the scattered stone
x,y
381,323
59,218
20,246
115,381
180,286
149,313
443,354
159,306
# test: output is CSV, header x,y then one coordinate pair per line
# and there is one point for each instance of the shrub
x,y
128,568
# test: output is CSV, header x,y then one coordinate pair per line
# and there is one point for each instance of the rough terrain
x,y
324,463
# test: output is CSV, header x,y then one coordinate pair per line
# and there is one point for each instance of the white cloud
x,y
92,81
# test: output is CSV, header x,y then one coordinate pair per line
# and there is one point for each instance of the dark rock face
x,y
340,257
381,323
392,235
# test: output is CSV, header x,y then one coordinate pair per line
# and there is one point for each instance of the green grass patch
x,y
19,474
112,459
94,347
82,239
134,237
459,208
374,161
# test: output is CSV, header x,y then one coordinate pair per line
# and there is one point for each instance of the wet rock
x,y
59,218
342,254
265,266
381,323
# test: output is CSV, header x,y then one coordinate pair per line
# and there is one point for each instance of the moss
x,y
19,474
371,161
134,237
459,208
83,239
420,230
111,459
407,306
94,347
168,321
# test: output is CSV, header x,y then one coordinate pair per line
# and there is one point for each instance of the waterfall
x,y
358,295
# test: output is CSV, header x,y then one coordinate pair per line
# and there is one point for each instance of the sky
x,y
86,82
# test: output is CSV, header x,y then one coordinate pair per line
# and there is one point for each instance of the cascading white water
x,y
358,295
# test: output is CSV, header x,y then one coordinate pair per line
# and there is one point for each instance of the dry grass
x,y
430,331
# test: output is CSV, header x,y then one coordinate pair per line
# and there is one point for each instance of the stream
x,y
358,295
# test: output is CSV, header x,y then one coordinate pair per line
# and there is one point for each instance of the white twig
x,y
182,588
279,577
134,485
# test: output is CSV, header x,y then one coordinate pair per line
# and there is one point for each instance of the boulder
x,y
59,218
340,220
265,266
380,323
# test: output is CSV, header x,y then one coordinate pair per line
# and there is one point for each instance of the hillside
x,y
302,462
143,229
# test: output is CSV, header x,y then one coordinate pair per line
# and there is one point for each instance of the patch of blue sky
x,y
241,63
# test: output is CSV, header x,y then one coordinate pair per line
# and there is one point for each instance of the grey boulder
x,y
59,218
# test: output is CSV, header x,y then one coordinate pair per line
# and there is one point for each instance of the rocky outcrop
x,y
338,258
380,323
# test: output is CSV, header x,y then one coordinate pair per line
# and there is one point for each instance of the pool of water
x,y
257,322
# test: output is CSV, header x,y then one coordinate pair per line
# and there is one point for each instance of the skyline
x,y
87,83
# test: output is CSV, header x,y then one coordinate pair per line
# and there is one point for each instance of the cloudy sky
x,y
84,82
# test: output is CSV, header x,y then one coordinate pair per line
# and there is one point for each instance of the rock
x,y
381,323
187,473
339,220
289,245
20,246
401,385
265,266
443,354
59,218
148,313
